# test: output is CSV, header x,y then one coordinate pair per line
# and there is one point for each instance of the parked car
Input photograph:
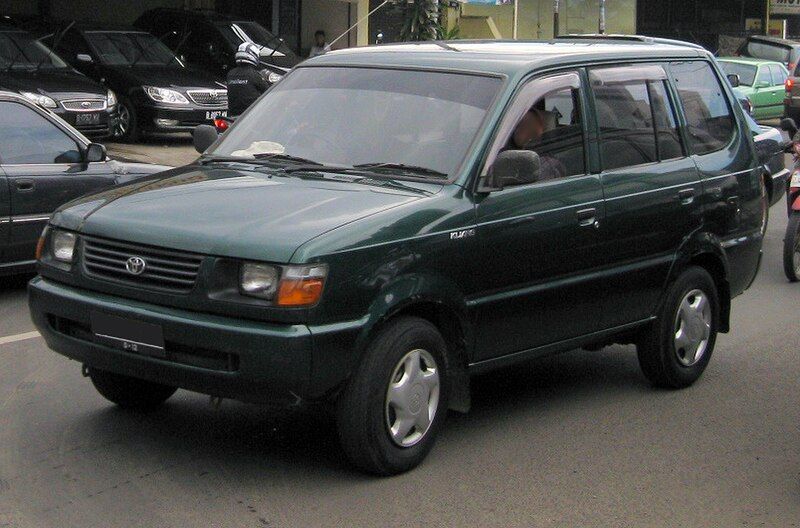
x,y
418,215
761,82
156,91
31,69
209,40
44,162
764,47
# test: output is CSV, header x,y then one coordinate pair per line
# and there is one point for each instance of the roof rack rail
x,y
629,38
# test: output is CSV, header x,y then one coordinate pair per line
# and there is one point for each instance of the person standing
x,y
320,47
245,82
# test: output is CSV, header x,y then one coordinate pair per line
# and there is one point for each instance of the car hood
x,y
55,83
227,212
163,76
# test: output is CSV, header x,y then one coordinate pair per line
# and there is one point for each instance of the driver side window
x,y
28,138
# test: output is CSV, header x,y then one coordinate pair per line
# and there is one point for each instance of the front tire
x,y
791,248
128,125
130,393
393,407
675,350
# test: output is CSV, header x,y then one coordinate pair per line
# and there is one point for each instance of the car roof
x,y
506,56
749,60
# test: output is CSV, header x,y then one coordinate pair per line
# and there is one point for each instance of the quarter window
x,y
709,123
27,137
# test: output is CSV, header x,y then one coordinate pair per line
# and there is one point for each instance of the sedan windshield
x,y
126,48
248,31
746,72
350,117
18,51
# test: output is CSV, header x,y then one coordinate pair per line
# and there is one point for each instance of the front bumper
x,y
230,358
104,128
160,119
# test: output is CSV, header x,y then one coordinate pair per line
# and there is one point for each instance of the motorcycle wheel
x,y
791,248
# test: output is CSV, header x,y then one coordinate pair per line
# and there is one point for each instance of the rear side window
x,y
778,75
763,76
767,51
709,122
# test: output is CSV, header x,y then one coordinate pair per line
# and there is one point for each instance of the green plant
x,y
421,20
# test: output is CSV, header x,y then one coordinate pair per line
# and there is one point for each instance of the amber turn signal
x,y
302,286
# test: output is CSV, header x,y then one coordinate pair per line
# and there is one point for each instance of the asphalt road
x,y
577,440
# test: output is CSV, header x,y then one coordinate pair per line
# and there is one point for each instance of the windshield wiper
x,y
286,157
402,167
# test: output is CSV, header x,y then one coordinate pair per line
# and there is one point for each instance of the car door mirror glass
x,y
95,152
84,57
733,78
513,167
203,136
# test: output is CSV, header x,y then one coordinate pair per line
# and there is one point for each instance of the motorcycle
x,y
791,241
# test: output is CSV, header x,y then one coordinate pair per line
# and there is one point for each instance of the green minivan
x,y
387,221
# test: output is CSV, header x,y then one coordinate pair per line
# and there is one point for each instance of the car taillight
x,y
788,84
221,125
791,66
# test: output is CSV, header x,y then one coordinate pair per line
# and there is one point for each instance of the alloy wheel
x,y
124,123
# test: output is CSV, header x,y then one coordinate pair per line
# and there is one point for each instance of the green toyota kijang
x,y
387,221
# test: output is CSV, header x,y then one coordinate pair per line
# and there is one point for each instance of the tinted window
x,y
710,125
669,142
356,116
763,50
746,72
627,134
18,51
27,137
559,141
124,48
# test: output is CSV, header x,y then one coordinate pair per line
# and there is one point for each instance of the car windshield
x,y
746,72
247,31
18,51
361,116
125,48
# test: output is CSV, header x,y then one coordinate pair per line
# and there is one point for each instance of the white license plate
x,y
215,114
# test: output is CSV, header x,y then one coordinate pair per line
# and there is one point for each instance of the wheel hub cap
x,y
412,398
692,328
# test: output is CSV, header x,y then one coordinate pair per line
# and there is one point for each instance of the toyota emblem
x,y
135,265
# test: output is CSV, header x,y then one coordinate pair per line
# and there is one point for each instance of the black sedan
x,y
155,90
45,163
28,67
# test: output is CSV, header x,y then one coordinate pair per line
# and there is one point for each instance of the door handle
x,y
587,217
686,196
24,185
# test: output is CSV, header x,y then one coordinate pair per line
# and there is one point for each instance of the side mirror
x,y
203,136
733,78
513,167
788,125
84,57
95,152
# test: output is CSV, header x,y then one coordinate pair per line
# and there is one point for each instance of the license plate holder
x,y
213,114
92,118
127,334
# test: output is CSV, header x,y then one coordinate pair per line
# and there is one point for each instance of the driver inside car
x,y
528,135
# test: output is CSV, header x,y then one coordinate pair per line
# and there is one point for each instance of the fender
x,y
705,245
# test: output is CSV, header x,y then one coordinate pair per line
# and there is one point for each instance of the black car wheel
x,y
396,402
677,347
130,393
127,126
791,248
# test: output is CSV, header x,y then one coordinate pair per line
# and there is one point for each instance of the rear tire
x,y
130,393
394,405
791,248
675,350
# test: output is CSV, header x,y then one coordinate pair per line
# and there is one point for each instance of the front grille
x,y
84,105
209,97
164,269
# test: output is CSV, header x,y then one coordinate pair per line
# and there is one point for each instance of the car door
x,y
762,92
778,91
722,150
538,240
651,188
43,163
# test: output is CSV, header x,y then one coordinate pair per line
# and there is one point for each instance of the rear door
x,y
44,169
778,90
651,187
722,149
539,239
762,92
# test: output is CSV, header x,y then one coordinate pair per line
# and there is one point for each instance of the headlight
x,y
41,100
284,285
274,77
63,246
258,280
111,99
165,95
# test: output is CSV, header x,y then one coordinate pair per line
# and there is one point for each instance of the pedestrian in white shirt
x,y
320,47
